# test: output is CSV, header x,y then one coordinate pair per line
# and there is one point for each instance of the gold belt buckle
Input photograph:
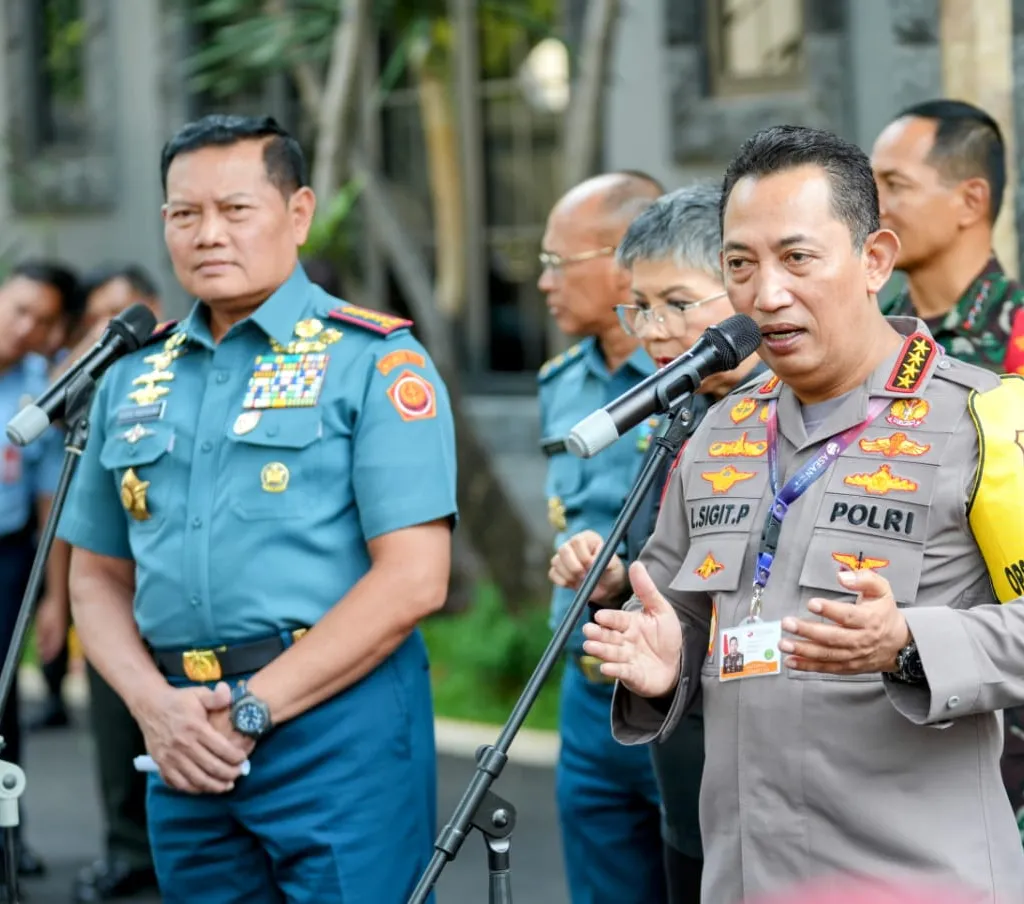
x,y
202,665
591,668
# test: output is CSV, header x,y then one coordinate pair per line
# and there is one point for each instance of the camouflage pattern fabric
x,y
978,328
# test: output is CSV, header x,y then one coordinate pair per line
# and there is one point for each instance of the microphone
x,y
124,334
721,347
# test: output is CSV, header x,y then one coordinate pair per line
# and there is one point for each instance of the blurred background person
x,y
940,167
606,794
672,253
33,302
127,866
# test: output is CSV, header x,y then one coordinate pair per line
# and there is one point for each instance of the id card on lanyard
x,y
751,649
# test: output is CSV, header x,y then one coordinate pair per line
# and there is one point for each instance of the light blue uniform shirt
x,y
33,471
591,491
259,517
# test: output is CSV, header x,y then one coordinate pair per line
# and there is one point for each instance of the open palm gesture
x,y
641,647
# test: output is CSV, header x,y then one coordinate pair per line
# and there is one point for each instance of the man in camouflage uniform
x,y
941,170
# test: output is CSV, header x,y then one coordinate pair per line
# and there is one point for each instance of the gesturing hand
x,y
192,755
864,638
570,564
641,647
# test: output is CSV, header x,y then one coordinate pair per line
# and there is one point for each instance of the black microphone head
x,y
134,325
736,338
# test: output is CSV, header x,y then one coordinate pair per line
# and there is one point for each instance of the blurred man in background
x,y
607,796
127,865
33,303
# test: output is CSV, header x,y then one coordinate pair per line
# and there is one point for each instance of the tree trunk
x,y
583,117
334,117
488,516
441,143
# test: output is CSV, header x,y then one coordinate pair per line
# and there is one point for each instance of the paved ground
x,y
63,824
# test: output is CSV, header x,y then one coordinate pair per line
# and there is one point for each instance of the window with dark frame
x,y
755,46
58,35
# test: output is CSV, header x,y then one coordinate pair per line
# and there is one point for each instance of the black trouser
x,y
16,551
118,741
683,874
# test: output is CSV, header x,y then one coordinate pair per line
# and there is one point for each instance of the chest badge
x,y
133,495
274,477
724,480
286,381
135,433
742,410
881,482
709,567
556,513
907,412
246,422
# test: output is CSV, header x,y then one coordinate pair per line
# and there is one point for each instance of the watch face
x,y
250,718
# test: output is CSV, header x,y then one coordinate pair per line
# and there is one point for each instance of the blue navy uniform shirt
x,y
247,489
30,472
587,494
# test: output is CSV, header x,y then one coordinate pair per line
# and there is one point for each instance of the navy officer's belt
x,y
215,663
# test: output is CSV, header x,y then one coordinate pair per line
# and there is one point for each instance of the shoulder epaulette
x,y
970,376
558,363
160,331
374,321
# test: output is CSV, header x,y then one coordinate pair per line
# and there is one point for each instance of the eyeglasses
x,y
636,320
549,259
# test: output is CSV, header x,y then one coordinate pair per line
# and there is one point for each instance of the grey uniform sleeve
x,y
971,646
635,719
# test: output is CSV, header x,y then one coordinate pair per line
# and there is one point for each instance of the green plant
x,y
481,660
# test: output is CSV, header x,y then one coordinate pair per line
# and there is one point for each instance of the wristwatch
x,y
908,666
250,716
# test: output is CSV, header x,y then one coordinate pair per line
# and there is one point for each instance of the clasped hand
x,y
188,733
861,639
572,561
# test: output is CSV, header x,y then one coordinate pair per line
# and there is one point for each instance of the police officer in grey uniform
x,y
869,563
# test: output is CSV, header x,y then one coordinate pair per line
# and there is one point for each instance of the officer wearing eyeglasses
x,y
606,793
671,251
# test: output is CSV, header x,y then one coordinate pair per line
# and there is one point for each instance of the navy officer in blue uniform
x,y
34,301
261,518
607,798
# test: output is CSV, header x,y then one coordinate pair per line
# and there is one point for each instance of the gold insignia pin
x,y
330,336
133,495
307,329
556,513
148,394
246,422
161,360
174,341
136,433
274,477
155,376
277,348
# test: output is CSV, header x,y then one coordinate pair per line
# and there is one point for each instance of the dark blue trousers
x,y
608,803
339,807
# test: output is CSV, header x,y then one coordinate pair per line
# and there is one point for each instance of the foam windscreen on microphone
x,y
736,338
134,325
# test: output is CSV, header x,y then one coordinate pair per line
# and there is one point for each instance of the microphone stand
x,y
480,807
12,777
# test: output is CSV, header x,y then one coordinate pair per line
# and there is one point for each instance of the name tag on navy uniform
x,y
137,414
